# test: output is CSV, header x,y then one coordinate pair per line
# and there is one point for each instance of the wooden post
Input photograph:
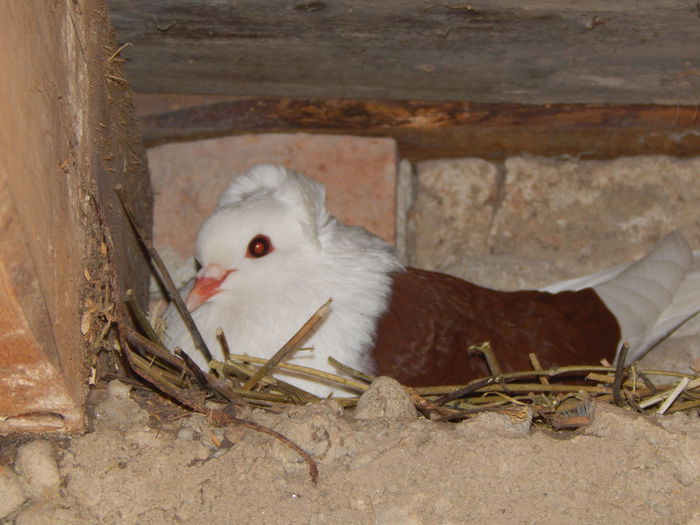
x,y
66,138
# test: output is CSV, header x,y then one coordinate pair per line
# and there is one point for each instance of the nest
x,y
557,399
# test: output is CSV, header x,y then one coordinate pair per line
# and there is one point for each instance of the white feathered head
x,y
267,220
304,197
271,255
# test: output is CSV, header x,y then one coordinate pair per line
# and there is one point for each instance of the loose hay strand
x,y
141,318
313,372
619,374
164,275
290,345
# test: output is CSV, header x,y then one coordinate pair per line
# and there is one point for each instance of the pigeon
x,y
271,254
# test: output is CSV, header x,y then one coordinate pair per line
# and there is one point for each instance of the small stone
x,y
186,434
364,458
13,496
386,398
316,428
119,389
118,411
38,468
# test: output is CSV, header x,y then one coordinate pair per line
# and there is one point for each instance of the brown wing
x,y
432,318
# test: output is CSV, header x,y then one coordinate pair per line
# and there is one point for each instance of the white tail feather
x,y
651,297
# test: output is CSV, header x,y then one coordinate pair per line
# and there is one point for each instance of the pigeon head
x,y
264,232
270,255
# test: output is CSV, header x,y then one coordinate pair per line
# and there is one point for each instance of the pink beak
x,y
209,280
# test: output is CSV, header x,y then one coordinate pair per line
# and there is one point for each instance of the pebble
x,y
13,496
119,389
38,468
185,434
387,399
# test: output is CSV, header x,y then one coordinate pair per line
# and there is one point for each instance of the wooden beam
x,y
430,130
67,136
594,51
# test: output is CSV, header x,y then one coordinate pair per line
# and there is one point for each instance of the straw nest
x,y
558,399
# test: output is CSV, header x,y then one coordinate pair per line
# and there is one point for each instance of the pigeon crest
x,y
304,257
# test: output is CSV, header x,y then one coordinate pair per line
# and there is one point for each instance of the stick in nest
x,y
290,345
165,278
619,374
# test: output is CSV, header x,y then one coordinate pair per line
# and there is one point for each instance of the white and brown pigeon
x,y
271,254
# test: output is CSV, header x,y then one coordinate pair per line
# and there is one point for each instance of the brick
x,y
359,174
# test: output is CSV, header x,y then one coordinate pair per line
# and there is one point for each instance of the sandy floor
x,y
148,463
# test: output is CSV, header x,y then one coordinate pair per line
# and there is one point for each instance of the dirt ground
x,y
148,462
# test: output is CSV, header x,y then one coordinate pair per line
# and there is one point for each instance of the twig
x,y
651,386
207,381
488,353
525,388
426,407
690,384
631,401
140,341
210,381
673,395
289,345
163,376
473,386
499,409
345,369
192,367
167,281
685,405
327,376
537,366
116,53
225,349
619,373
292,392
628,383
141,318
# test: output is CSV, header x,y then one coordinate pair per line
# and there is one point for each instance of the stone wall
x,y
529,222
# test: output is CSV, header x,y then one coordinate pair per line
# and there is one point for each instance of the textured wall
x,y
530,221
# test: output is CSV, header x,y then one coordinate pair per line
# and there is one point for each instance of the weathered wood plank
x,y
427,130
67,136
488,51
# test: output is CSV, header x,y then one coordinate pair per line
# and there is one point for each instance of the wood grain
x,y
67,137
431,130
538,52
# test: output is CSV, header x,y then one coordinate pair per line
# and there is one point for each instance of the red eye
x,y
259,246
